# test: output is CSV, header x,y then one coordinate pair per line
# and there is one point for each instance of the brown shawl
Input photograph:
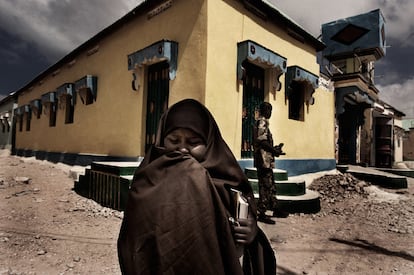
x,y
176,220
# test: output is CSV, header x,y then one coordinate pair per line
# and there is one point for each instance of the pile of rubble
x,y
356,200
333,188
93,209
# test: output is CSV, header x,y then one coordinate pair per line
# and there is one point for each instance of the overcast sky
x,y
35,34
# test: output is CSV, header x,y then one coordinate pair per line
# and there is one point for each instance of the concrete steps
x,y
278,174
292,194
283,188
107,183
399,171
382,178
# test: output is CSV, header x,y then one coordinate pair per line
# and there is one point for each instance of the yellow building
x,y
103,100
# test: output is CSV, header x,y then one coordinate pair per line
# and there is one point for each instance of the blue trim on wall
x,y
295,167
299,74
71,158
161,50
254,52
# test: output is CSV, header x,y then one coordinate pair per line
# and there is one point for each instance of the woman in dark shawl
x,y
180,208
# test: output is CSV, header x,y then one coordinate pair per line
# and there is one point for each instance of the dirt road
x,y
46,228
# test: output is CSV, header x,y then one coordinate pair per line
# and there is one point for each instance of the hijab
x,y
219,160
176,219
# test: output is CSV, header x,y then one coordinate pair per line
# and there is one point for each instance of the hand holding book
x,y
242,206
245,225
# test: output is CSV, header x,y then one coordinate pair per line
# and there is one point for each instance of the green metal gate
x,y
157,99
253,96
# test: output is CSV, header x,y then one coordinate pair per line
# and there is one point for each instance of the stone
x,y
25,180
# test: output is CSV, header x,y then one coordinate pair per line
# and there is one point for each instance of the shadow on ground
x,y
375,248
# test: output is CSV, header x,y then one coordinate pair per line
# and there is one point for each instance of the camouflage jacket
x,y
262,134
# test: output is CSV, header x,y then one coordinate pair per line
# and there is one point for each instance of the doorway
x,y
157,99
253,96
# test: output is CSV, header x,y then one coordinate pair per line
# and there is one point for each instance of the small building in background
x,y
408,141
7,130
369,130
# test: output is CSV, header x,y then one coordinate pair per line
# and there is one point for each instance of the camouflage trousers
x,y
267,190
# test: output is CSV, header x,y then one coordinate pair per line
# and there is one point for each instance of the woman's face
x,y
186,141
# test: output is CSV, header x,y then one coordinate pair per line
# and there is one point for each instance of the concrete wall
x,y
229,23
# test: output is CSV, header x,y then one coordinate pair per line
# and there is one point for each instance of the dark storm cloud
x,y
394,72
20,59
35,34
57,26
394,67
398,14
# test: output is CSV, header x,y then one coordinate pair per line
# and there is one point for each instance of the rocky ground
x,y
46,228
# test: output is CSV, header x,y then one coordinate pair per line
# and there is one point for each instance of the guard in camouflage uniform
x,y
264,153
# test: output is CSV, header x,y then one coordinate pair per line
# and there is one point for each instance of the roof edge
x,y
141,8
291,27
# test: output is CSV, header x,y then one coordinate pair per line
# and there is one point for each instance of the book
x,y
242,206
